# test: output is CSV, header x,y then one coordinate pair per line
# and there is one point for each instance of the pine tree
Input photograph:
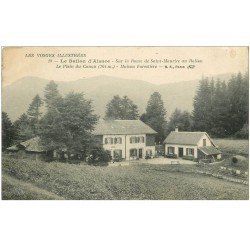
x,y
51,95
121,108
220,125
201,105
155,116
238,102
222,110
23,128
34,113
8,131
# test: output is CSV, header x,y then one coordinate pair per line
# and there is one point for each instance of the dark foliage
x,y
68,126
68,122
222,109
23,128
8,131
155,116
28,124
234,159
243,133
34,114
98,156
181,119
121,108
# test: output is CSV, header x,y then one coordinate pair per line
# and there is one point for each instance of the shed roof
x,y
122,127
31,145
185,138
13,148
210,150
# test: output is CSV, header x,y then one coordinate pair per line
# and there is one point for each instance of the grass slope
x,y
14,189
233,146
60,180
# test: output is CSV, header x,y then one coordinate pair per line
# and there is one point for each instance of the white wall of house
x,y
176,150
126,145
112,147
208,141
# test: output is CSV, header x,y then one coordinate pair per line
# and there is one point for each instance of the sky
x,y
19,62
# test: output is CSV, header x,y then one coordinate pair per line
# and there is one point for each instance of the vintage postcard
x,y
125,123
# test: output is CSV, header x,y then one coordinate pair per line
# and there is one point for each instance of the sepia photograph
x,y
125,123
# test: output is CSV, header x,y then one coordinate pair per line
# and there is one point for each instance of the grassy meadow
x,y
27,179
233,146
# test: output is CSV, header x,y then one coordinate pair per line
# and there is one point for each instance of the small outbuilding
x,y
31,148
191,146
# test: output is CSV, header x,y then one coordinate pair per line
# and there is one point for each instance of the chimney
x,y
176,129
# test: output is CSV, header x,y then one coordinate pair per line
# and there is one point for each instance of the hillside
x,y
17,96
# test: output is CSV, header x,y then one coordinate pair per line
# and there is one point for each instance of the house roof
x,y
31,145
210,150
122,127
185,138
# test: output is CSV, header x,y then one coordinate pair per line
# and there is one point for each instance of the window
x,y
170,150
118,140
137,139
190,151
141,139
133,152
204,142
132,139
109,140
149,152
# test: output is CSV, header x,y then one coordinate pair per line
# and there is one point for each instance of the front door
x,y
180,152
140,152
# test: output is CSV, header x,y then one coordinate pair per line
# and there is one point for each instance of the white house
x,y
190,145
128,139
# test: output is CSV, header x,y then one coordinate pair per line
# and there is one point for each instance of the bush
x,y
234,159
243,133
98,157
117,158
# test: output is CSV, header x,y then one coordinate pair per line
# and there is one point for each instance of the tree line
x,y
219,108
